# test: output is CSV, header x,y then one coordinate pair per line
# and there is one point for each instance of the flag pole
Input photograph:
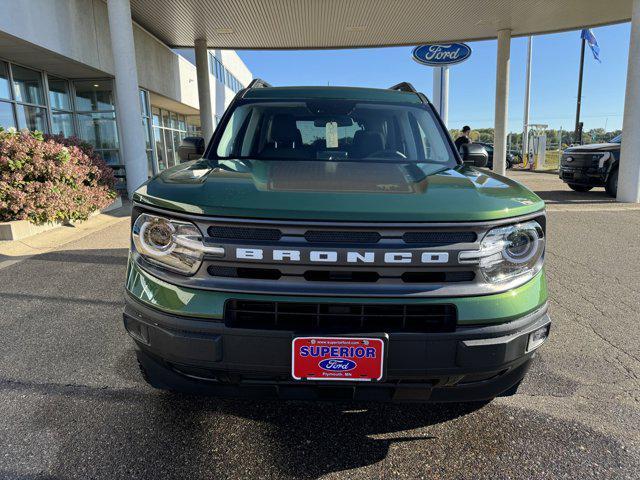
x,y
577,134
527,100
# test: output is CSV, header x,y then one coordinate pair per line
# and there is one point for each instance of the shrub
x,y
106,172
46,181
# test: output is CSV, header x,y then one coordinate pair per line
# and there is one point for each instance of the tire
x,y
612,184
579,188
509,165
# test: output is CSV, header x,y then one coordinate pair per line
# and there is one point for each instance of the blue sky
x,y
472,83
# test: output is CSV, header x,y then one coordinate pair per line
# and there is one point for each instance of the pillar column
x,y
129,114
502,102
629,170
440,98
204,88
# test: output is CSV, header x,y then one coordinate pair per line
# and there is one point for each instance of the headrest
x,y
283,129
367,142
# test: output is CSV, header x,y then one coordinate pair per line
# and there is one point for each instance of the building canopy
x,y
282,24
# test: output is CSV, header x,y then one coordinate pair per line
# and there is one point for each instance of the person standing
x,y
464,137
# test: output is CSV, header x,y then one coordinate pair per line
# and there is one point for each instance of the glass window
x,y
144,104
4,81
168,140
99,129
147,137
150,163
6,115
112,157
193,125
177,140
94,95
27,85
32,118
338,130
160,153
59,93
156,117
174,120
182,123
165,119
62,124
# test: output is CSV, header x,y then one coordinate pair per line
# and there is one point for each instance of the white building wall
x,y
79,31
222,95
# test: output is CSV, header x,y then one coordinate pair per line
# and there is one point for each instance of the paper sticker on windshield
x,y
331,134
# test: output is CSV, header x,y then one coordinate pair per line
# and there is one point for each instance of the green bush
x,y
43,180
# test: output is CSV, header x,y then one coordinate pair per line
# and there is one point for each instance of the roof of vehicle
x,y
347,93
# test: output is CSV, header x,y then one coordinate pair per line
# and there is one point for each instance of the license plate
x,y
353,359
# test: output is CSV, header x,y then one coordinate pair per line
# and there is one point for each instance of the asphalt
x,y
72,404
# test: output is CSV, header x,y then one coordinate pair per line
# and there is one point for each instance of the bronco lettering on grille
x,y
332,256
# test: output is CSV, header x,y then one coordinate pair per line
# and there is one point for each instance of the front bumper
x,y
200,355
583,176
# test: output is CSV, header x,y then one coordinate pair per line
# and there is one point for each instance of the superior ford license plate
x,y
337,358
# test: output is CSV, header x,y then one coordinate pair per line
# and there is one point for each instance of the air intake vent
x,y
244,233
242,272
436,239
325,236
337,317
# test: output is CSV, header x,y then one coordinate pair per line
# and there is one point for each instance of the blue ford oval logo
x,y
441,55
337,364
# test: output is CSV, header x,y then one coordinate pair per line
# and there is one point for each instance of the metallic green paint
x,y
189,302
333,191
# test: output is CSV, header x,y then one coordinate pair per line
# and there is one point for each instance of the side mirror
x,y
474,154
191,148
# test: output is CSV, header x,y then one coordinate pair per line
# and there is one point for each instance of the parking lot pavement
x,y
72,404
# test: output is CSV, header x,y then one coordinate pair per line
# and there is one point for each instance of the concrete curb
x,y
12,252
20,229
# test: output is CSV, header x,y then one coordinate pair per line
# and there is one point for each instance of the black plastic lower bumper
x,y
583,177
204,356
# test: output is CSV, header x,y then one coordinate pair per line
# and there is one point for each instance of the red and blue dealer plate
x,y
351,359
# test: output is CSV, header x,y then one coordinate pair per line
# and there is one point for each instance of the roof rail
x,y
404,87
258,83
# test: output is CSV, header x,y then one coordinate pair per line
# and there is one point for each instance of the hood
x,y
594,147
337,191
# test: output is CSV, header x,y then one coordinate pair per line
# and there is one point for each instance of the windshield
x,y
335,130
617,139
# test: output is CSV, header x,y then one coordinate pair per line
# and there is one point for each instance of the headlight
x,y
175,245
509,252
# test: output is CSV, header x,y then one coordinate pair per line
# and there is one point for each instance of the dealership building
x,y
58,75
84,67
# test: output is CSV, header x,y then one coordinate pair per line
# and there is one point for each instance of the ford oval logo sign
x,y
441,55
337,365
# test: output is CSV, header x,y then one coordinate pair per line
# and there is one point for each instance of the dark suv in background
x,y
586,166
511,159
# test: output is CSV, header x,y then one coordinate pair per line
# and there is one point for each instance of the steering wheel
x,y
390,154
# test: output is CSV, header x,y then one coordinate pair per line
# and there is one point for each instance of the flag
x,y
590,38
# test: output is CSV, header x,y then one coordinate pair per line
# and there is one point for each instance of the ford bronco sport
x,y
332,243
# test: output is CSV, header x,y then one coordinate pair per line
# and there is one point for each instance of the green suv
x,y
331,243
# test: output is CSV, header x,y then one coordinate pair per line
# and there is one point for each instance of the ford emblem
x,y
441,54
569,159
337,364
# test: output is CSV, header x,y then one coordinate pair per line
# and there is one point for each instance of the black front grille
x,y
325,236
245,272
439,238
338,317
244,233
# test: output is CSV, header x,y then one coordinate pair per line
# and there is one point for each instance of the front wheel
x,y
612,184
579,188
